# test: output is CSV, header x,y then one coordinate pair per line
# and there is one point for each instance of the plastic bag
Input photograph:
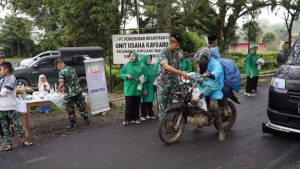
x,y
259,63
201,103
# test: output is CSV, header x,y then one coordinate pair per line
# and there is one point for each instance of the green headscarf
x,y
149,69
136,56
145,59
184,63
180,51
254,46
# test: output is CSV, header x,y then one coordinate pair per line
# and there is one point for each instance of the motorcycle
x,y
182,111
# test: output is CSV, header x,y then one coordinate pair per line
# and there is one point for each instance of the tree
x,y
252,31
291,14
164,8
218,17
72,22
268,38
193,42
15,36
281,32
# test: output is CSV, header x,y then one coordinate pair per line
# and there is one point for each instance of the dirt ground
x,y
54,124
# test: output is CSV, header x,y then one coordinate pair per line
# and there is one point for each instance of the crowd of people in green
x,y
145,81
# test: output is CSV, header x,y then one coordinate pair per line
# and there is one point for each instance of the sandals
x,y
8,147
25,142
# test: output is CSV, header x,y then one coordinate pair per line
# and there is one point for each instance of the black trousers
x,y
255,79
227,91
251,84
146,109
132,107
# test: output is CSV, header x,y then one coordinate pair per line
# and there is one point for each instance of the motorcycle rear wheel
x,y
228,121
167,131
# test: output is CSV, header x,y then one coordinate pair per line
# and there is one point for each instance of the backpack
x,y
232,76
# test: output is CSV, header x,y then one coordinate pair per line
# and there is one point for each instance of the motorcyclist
x,y
211,70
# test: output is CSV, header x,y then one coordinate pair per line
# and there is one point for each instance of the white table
x,y
24,105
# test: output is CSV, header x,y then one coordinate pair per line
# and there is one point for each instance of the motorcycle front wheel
x,y
171,127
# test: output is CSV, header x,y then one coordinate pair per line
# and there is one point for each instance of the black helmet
x,y
202,54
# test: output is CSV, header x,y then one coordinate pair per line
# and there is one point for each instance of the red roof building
x,y
244,46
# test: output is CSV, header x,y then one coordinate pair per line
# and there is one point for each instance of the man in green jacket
x,y
148,91
184,63
251,71
133,74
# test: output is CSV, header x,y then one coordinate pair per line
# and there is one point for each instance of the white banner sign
x,y
151,44
95,76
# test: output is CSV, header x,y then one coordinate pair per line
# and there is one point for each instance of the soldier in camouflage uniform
x,y
68,82
168,71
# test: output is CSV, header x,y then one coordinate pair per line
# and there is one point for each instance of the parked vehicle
x,y
73,56
284,94
29,75
172,125
29,61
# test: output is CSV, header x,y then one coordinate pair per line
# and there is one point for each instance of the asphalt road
x,y
139,147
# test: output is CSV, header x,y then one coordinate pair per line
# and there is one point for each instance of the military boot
x,y
86,118
72,123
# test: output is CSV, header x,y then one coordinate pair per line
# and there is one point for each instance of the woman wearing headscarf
x,y
44,86
251,71
184,63
148,91
133,74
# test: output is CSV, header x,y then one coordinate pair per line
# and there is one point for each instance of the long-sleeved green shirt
x,y
250,64
136,69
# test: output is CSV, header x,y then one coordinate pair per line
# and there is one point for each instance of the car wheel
x,y
83,83
23,82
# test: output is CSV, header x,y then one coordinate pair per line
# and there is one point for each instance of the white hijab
x,y
41,85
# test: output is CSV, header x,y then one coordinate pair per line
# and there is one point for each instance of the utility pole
x,y
137,14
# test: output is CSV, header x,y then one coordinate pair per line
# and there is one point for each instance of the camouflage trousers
x,y
5,117
165,94
71,102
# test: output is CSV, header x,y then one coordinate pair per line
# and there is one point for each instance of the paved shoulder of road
x,y
138,146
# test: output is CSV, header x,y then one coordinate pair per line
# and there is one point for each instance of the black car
x,y
284,94
72,56
29,75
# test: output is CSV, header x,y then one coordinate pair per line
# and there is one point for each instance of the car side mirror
x,y
281,58
35,66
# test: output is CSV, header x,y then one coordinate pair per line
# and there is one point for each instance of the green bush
x,y
268,56
117,81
